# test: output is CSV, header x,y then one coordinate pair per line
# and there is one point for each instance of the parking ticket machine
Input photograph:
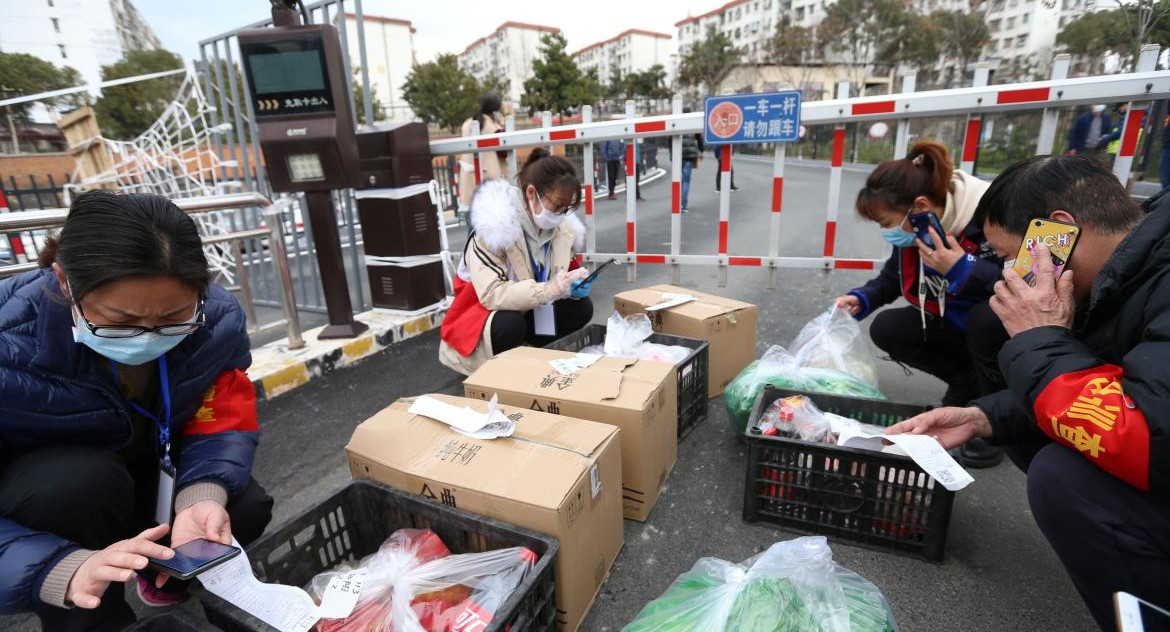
x,y
297,83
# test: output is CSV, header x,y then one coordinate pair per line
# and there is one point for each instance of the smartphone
x,y
1061,239
193,558
1135,615
596,271
922,223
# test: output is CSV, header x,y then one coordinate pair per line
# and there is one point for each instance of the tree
x,y
22,74
556,83
1094,36
441,93
796,51
650,83
495,83
1143,18
961,37
1122,31
359,100
128,110
709,61
857,30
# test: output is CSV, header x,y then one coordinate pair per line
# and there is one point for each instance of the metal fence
x,y
270,239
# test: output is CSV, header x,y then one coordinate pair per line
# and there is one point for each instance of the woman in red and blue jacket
x,y
124,404
948,324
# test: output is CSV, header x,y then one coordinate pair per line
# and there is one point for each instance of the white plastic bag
x,y
794,586
835,341
627,337
414,584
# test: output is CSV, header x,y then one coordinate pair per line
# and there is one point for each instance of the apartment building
x,y
389,57
632,50
508,52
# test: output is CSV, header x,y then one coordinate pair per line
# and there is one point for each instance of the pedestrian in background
x,y
639,160
1087,131
495,164
717,150
1112,142
692,156
612,153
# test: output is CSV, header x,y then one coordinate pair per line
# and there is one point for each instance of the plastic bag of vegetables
x,y
782,369
794,586
835,341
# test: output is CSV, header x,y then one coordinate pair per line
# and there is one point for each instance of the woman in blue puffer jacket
x,y
123,404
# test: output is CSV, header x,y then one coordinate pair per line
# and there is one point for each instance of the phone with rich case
x,y
1061,239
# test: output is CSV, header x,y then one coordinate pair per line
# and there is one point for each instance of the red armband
x,y
230,404
1089,412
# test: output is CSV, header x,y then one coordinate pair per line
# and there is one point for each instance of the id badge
x,y
165,502
544,320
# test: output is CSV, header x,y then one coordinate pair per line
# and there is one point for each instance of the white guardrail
x,y
1138,88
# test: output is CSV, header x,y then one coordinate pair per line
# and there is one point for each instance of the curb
x,y
276,369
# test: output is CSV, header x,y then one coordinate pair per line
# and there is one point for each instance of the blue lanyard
x,y
540,272
163,425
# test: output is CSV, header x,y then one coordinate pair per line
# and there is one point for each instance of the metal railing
x,y
272,233
969,105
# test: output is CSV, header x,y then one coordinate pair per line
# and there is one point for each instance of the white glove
x,y
559,286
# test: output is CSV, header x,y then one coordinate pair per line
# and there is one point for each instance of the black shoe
x,y
640,199
977,454
734,188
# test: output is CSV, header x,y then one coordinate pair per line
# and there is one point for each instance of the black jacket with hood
x,y
1103,387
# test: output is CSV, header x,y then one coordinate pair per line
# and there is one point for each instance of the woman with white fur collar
x,y
516,282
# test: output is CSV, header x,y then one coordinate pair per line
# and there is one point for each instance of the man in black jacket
x,y
1087,409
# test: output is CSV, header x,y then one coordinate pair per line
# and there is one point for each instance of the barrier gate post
x,y
510,126
835,180
974,123
475,161
777,204
631,197
724,209
1051,116
1134,119
590,175
902,138
675,196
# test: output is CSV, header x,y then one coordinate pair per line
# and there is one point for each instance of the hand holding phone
x,y
193,558
922,223
1059,237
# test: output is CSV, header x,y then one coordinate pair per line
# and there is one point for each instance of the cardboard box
x,y
637,396
556,475
729,325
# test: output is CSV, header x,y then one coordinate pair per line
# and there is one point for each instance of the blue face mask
x,y
132,351
897,237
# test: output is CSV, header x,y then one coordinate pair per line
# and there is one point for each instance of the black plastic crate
x,y
692,372
883,501
356,520
173,621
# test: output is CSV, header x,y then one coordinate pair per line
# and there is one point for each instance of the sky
x,y
180,25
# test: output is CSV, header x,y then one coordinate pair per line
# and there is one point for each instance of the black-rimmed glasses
x,y
131,331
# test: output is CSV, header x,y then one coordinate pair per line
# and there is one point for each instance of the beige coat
x,y
493,166
495,263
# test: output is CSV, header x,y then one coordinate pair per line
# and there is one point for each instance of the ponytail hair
x,y
550,173
926,170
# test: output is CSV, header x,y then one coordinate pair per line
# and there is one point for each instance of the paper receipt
x,y
286,608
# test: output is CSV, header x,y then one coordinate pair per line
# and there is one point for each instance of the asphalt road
x,y
999,574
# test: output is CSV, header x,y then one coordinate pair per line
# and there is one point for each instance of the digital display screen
x,y
289,76
278,73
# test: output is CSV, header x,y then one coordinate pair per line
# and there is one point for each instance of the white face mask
x,y
546,219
